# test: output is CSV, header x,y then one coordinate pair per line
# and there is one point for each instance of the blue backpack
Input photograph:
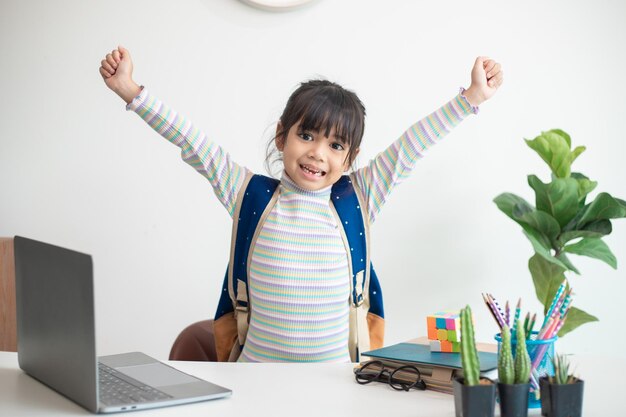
x,y
257,198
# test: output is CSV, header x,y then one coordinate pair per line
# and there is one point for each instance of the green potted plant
x,y
562,222
561,394
473,396
513,374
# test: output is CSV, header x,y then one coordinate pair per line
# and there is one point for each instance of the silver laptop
x,y
56,340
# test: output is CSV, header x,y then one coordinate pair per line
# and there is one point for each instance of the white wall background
x,y
79,171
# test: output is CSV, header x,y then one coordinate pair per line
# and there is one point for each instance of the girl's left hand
x,y
487,77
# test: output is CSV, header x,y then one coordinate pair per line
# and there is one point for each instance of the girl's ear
x,y
279,139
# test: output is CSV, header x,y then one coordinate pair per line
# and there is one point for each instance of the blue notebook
x,y
421,354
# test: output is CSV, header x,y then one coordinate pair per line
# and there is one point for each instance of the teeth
x,y
317,173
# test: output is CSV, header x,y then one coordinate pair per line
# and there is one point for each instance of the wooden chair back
x,y
8,322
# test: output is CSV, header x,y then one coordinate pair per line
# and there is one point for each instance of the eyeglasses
x,y
402,379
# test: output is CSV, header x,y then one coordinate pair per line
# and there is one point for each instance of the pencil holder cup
x,y
541,351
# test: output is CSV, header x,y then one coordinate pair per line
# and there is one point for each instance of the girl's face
x,y
312,160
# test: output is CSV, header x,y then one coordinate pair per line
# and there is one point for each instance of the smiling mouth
x,y
313,171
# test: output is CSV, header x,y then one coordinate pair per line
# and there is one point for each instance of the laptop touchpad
x,y
156,374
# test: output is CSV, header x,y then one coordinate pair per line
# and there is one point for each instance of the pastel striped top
x,y
299,276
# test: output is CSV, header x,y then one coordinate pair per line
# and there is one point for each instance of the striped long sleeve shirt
x,y
299,275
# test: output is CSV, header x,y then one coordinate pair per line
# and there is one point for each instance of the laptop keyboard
x,y
117,388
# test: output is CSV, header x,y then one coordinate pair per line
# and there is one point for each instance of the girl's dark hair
x,y
321,105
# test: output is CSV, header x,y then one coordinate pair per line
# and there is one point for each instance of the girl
x,y
299,276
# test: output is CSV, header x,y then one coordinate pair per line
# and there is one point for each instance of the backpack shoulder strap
x,y
256,201
347,205
365,291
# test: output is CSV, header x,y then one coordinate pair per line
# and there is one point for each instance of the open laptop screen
x,y
55,319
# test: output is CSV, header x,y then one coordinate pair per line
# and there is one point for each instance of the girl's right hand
x,y
117,71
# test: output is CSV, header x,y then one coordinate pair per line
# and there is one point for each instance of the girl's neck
x,y
290,186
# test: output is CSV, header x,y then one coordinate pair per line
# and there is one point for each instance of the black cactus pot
x,y
561,400
513,399
474,401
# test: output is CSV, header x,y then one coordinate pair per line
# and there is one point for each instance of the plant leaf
x,y
585,186
565,136
598,228
547,277
575,153
554,150
509,204
604,206
540,221
563,258
558,198
575,318
507,201
594,248
518,209
540,242
541,246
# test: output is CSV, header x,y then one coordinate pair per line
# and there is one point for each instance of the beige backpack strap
x,y
233,236
359,337
241,303
240,314
242,311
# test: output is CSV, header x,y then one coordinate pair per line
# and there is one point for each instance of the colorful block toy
x,y
444,331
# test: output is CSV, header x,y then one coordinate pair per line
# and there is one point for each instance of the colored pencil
x,y
561,323
556,298
526,321
544,329
507,311
517,313
531,326
553,323
566,301
492,310
495,303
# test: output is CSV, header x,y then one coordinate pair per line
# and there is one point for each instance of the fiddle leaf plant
x,y
562,222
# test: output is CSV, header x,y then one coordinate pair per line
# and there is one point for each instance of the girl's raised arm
x,y
390,167
206,157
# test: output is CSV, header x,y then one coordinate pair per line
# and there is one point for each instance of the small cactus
x,y
506,370
513,371
469,354
522,359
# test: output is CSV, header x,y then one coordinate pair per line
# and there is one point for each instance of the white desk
x,y
296,390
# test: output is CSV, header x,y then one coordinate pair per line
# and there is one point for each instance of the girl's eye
x,y
306,136
337,146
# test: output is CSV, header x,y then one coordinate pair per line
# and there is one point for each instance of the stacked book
x,y
437,369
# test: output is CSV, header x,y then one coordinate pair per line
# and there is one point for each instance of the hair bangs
x,y
325,113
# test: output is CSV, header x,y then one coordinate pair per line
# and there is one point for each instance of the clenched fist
x,y
117,71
